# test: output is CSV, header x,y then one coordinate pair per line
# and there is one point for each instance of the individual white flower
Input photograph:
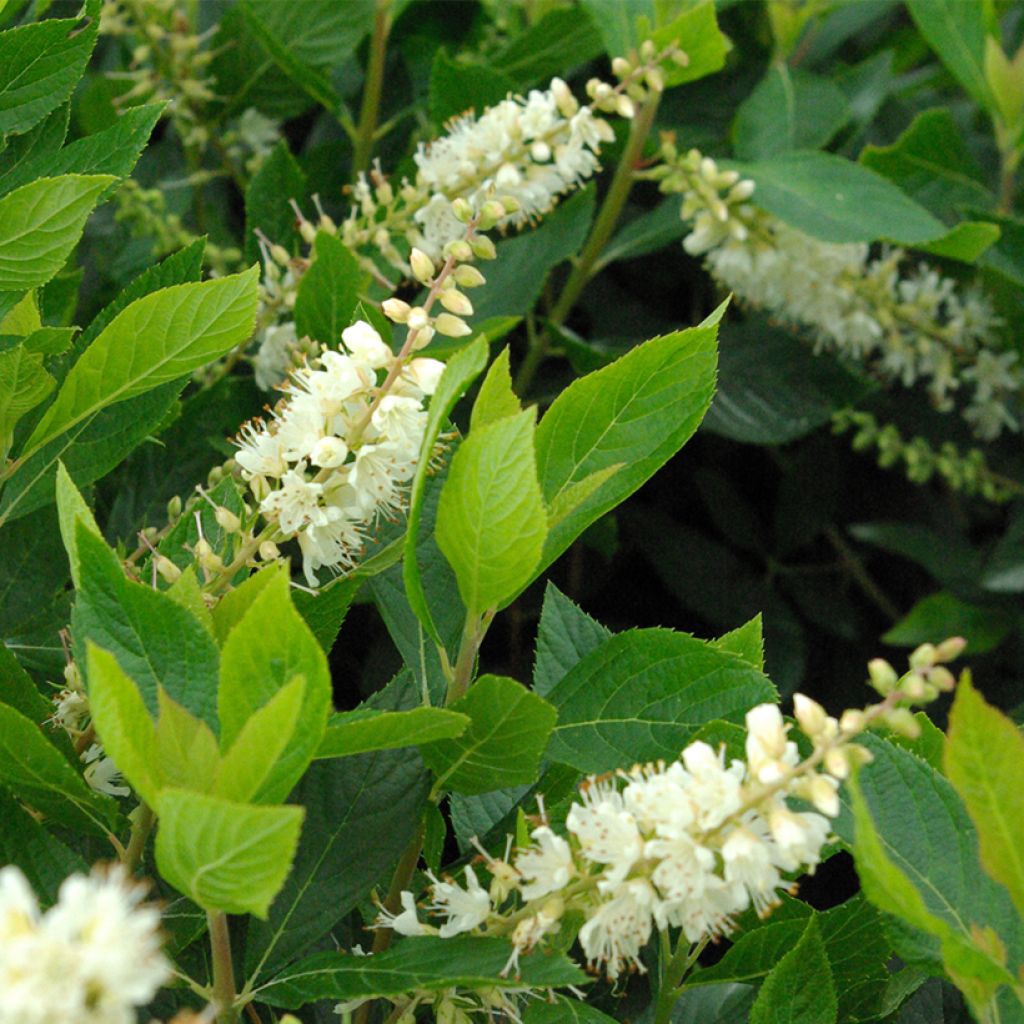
x,y
798,837
422,375
607,833
619,927
713,790
747,861
545,867
295,503
259,452
656,797
406,922
366,345
709,912
19,910
769,753
466,909
682,866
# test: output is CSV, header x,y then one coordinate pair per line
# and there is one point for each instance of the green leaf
x,y
36,772
495,400
564,1011
328,292
956,32
124,725
71,508
24,383
40,65
223,855
941,615
355,732
984,760
507,735
40,224
491,522
156,339
278,180
460,86
185,748
17,690
188,592
747,642
245,767
637,412
542,50
799,989
696,31
564,636
648,233
266,650
459,372
157,642
40,143
788,109
838,201
425,962
643,693
931,162
325,609
966,242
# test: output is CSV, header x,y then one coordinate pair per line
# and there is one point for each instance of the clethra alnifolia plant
x,y
346,357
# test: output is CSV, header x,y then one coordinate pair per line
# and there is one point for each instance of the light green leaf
x,y
460,371
40,224
788,109
491,522
355,732
799,989
156,339
36,772
940,615
244,768
966,242
40,64
838,201
564,636
185,748
24,383
984,760
328,292
495,400
642,694
264,652
187,591
71,508
122,722
508,732
637,412
746,641
223,855
232,607
696,31
956,32
423,962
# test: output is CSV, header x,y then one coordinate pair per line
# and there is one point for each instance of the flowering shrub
x,y
346,352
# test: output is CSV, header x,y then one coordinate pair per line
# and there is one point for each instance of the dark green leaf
x,y
328,292
942,615
564,636
799,989
457,87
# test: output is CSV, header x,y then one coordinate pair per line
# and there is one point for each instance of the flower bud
x,y
467,276
422,266
655,79
810,714
621,67
459,250
396,310
327,224
923,657
329,452
914,688
279,254
648,51
902,721
455,302
853,721
417,318
226,519
451,326
269,551
462,209
423,337
173,509
950,649
942,679
169,572
681,58
837,761
483,248
625,107
564,99
307,231
821,791
882,676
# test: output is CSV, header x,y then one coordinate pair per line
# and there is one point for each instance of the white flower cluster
x,y
906,322
534,150
690,844
90,959
335,456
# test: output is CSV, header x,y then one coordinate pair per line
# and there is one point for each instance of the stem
x,y
678,967
223,968
369,112
611,208
141,828
1010,158
473,634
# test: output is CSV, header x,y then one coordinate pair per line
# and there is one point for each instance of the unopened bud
x,y
564,99
942,679
853,721
483,248
423,337
923,657
655,79
451,326
327,224
810,714
950,649
269,551
467,276
174,509
914,688
902,721
396,310
462,209
167,569
455,302
621,67
307,231
459,250
882,675
279,254
648,51
422,266
417,318
681,57
329,452
226,519
625,107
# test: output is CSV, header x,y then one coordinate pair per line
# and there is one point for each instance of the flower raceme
x,y
90,959
688,845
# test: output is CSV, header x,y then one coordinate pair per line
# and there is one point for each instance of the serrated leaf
x,y
940,615
984,759
17,690
509,728
264,652
328,292
491,521
184,747
427,962
225,856
71,508
36,772
495,400
24,383
40,64
746,641
457,87
40,224
278,180
156,339
637,412
565,634
799,989
643,693
364,729
956,32
36,145
325,609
